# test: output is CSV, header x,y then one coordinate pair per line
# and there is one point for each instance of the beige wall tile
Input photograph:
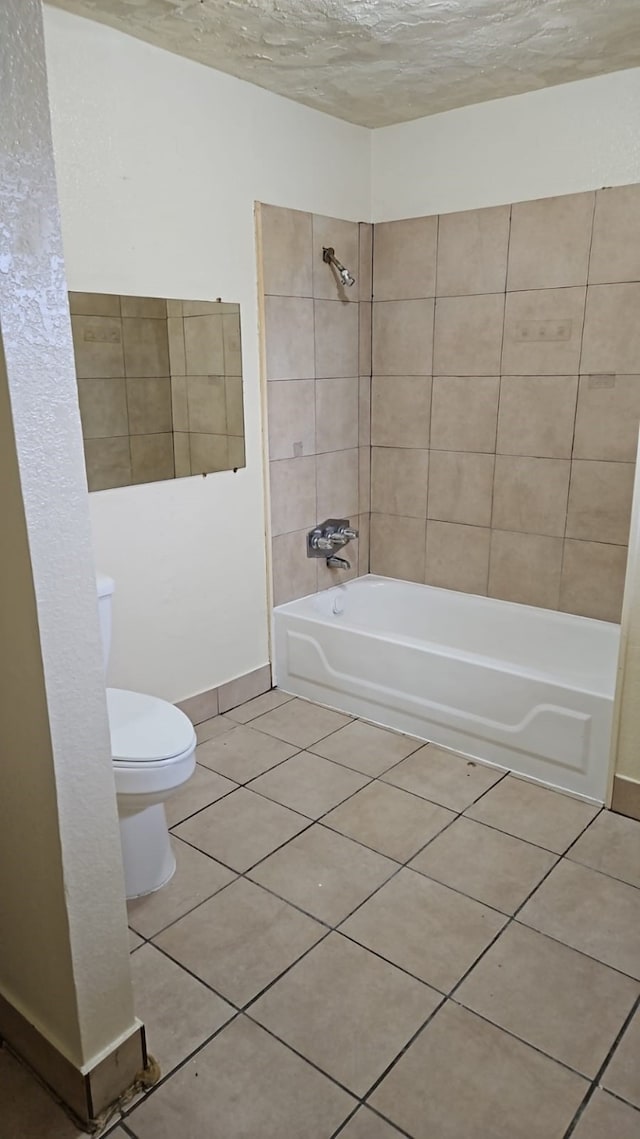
x,y
286,251
146,347
232,344
468,335
289,338
549,244
294,574
209,453
365,262
364,411
108,463
404,259
400,411
103,408
342,236
612,329
530,494
177,355
457,556
291,418
206,399
203,308
364,479
600,501
364,326
399,481
174,309
293,494
364,528
460,487
151,457
336,414
336,336
154,307
615,250
97,346
338,485
181,454
608,418
525,568
464,413
237,452
472,251
204,345
94,304
593,579
179,403
542,332
235,405
149,404
537,415
403,338
398,546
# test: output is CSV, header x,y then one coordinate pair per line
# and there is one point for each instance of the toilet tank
x,y
105,587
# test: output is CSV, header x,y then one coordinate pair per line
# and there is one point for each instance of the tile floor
x,y
368,937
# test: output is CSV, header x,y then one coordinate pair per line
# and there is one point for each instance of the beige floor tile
x,y
309,784
465,1079
241,829
300,723
203,788
366,1124
606,1118
622,1076
346,1011
242,753
135,941
546,818
487,864
27,1111
592,913
366,748
612,845
323,873
239,941
443,777
244,1084
211,729
562,1002
178,1012
389,820
425,928
196,878
259,705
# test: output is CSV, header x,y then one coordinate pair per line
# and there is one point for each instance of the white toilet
x,y
153,747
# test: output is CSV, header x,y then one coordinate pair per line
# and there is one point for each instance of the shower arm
x,y
329,256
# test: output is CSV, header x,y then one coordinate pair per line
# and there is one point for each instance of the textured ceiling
x,y
377,62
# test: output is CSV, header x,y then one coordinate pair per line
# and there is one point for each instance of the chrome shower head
x,y
328,255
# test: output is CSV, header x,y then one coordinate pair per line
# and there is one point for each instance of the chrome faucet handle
x,y
338,538
349,532
319,542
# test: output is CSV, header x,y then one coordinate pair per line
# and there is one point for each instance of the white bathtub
x,y
523,688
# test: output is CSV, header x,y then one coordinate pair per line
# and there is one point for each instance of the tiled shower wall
x,y
506,399
318,363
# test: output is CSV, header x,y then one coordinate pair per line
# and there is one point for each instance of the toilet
x,y
153,749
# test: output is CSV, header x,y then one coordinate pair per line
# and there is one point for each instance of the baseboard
x,y
87,1094
216,701
625,799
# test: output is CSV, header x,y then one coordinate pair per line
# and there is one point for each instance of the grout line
x,y
595,1084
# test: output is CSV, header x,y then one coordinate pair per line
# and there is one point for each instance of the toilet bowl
x,y
153,749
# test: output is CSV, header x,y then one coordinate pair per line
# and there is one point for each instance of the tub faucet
x,y
334,562
328,536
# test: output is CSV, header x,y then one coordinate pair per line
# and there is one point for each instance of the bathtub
x,y
526,689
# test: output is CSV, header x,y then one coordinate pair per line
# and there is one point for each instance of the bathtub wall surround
x,y
506,399
159,385
317,359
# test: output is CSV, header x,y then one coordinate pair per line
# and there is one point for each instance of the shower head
x,y
328,255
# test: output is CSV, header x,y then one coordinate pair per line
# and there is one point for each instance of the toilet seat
x,y
146,730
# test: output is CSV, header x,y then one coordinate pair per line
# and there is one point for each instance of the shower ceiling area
x,y
379,62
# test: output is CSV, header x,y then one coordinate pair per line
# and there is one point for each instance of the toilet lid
x,y
145,728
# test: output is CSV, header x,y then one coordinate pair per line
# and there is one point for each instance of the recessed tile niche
x,y
160,387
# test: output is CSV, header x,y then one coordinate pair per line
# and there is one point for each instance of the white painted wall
x,y
159,162
561,140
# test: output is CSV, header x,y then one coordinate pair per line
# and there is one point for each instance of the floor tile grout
x,y
596,1082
